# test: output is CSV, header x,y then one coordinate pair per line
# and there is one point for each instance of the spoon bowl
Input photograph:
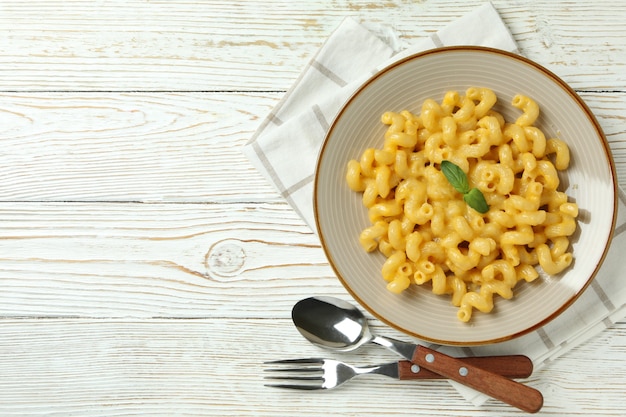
x,y
331,323
335,324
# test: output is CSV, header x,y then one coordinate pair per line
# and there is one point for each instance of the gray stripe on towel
x,y
545,338
602,295
329,74
321,119
275,119
268,167
289,191
436,40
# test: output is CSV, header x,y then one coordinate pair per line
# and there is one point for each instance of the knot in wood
x,y
225,258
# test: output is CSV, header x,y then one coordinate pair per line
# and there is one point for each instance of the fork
x,y
317,373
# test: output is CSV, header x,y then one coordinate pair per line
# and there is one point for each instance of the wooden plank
x,y
160,147
150,260
147,45
164,367
130,146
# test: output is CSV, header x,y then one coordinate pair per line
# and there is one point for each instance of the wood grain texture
x,y
162,147
510,366
262,45
165,367
183,147
147,260
514,393
146,269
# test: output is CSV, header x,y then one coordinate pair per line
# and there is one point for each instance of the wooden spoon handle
x,y
496,386
510,366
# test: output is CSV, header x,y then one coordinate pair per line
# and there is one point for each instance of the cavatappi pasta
x,y
425,229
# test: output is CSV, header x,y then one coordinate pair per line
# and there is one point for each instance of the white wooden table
x,y
147,269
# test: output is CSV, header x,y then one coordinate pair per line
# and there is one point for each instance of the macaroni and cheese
x,y
429,235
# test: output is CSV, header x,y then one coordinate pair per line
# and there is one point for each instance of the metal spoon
x,y
336,324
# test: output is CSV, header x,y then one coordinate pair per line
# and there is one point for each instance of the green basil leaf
x,y
455,175
476,200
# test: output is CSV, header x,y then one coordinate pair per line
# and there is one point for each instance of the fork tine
x,y
309,361
308,371
293,386
307,382
305,365
287,370
296,374
297,378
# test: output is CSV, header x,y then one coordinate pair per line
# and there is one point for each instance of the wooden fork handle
x,y
510,366
496,386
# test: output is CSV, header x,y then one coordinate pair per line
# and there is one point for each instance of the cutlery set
x,y
316,373
337,325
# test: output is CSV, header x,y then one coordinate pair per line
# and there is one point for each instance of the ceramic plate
x,y
589,181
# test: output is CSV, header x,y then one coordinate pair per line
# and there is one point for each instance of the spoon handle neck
x,y
403,349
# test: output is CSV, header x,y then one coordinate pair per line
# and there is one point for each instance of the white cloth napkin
x,y
286,146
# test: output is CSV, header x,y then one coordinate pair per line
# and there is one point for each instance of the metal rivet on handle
x,y
430,358
415,368
463,371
